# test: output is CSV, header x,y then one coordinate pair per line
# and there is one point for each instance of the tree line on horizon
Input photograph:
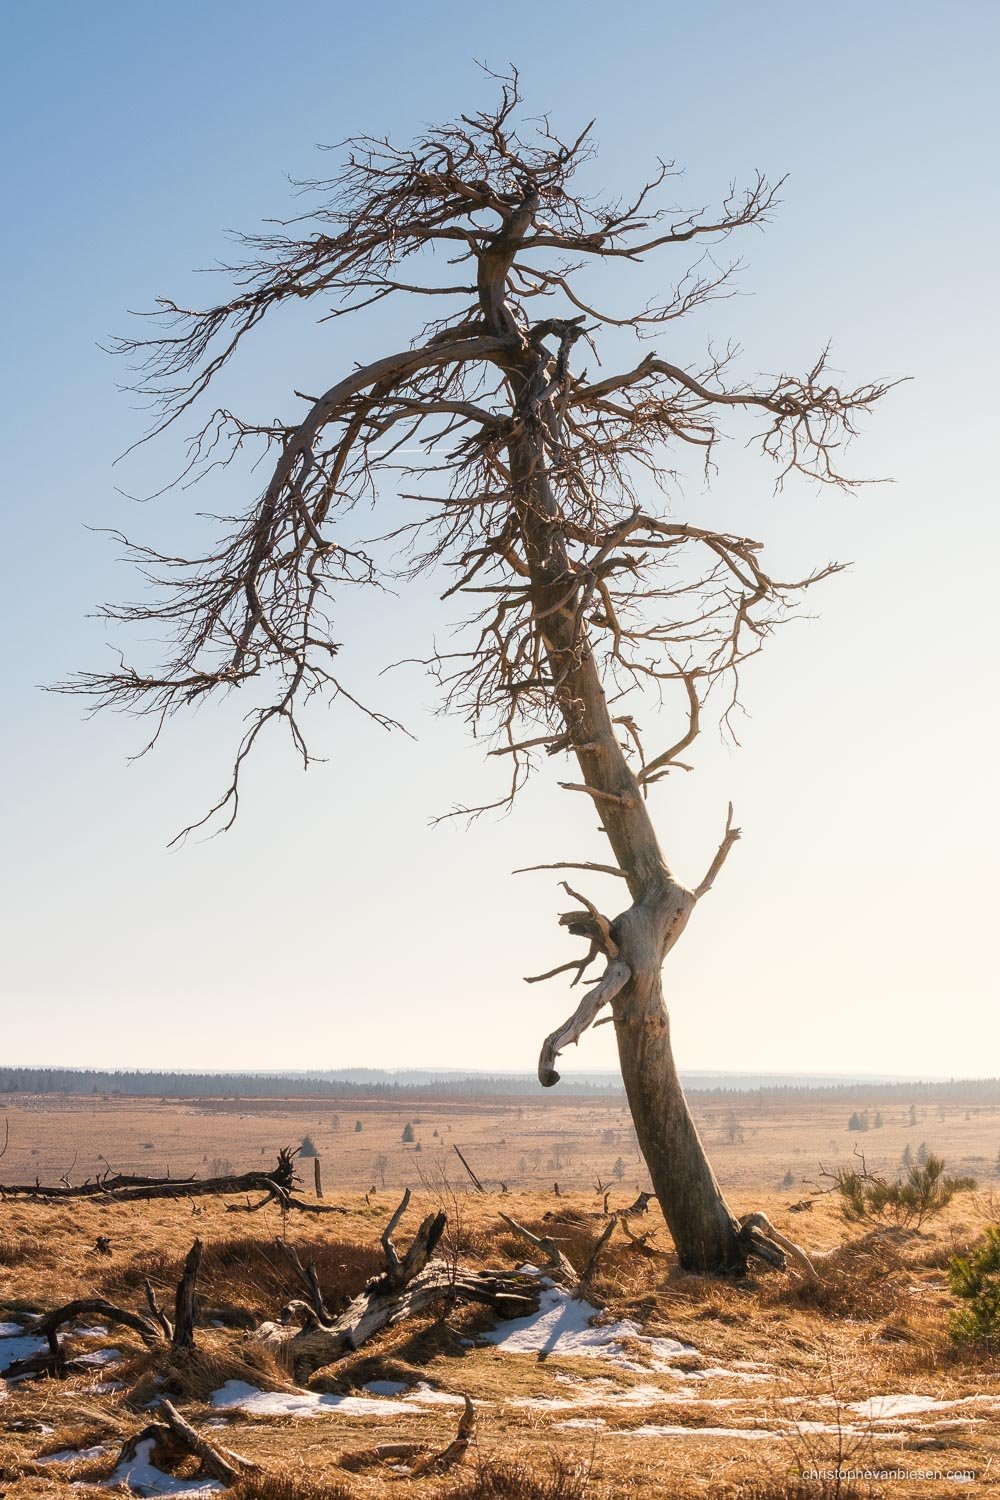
x,y
137,1083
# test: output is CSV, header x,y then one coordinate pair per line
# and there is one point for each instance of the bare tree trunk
x,y
701,1223
705,1231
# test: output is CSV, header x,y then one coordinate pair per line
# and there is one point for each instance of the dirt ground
x,y
700,1388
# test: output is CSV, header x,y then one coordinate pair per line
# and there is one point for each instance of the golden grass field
x,y
773,1380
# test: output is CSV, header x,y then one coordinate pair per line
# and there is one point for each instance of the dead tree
x,y
126,1189
535,488
409,1284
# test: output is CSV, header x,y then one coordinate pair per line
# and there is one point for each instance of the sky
x,y
853,929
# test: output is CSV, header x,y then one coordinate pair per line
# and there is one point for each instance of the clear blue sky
x,y
854,926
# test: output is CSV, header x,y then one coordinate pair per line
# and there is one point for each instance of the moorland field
x,y
685,1386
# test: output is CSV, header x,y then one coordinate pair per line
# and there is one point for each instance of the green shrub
x,y
975,1278
925,1191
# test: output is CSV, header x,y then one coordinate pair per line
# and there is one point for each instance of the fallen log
x,y
556,1262
48,1325
410,1284
172,1439
54,1361
433,1463
124,1189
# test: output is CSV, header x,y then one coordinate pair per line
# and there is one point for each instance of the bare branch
x,y
614,979
729,838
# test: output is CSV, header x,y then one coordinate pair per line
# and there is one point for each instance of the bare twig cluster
x,y
657,600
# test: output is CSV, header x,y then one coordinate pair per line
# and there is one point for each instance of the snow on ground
x,y
740,1433
99,1357
15,1346
886,1408
144,1478
563,1326
237,1395
73,1455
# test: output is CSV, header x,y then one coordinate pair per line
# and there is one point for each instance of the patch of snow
x,y
605,1394
98,1331
14,1348
425,1395
583,1422
72,1455
238,1395
99,1357
740,1433
885,1408
563,1326
8,1330
143,1478
385,1387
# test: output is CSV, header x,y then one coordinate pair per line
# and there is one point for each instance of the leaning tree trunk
x,y
705,1231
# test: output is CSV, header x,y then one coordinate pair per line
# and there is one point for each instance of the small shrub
x,y
358,1127
308,1147
975,1278
409,1134
868,1198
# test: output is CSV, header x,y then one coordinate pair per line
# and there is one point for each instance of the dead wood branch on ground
x,y
173,1439
126,1189
410,1284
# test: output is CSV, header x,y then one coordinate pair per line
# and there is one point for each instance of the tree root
x,y
759,1237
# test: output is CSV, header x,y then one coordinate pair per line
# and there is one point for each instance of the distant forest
x,y
370,1083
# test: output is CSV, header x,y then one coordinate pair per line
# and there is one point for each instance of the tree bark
x,y
705,1231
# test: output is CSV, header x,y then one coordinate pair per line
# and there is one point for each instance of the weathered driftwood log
x,y
173,1439
414,1456
309,1279
49,1324
285,1201
410,1284
556,1262
184,1302
123,1189
54,1361
760,1222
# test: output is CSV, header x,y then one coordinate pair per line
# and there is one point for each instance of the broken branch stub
x,y
616,976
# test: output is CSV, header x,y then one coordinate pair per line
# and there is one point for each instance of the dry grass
x,y
876,1324
497,1480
